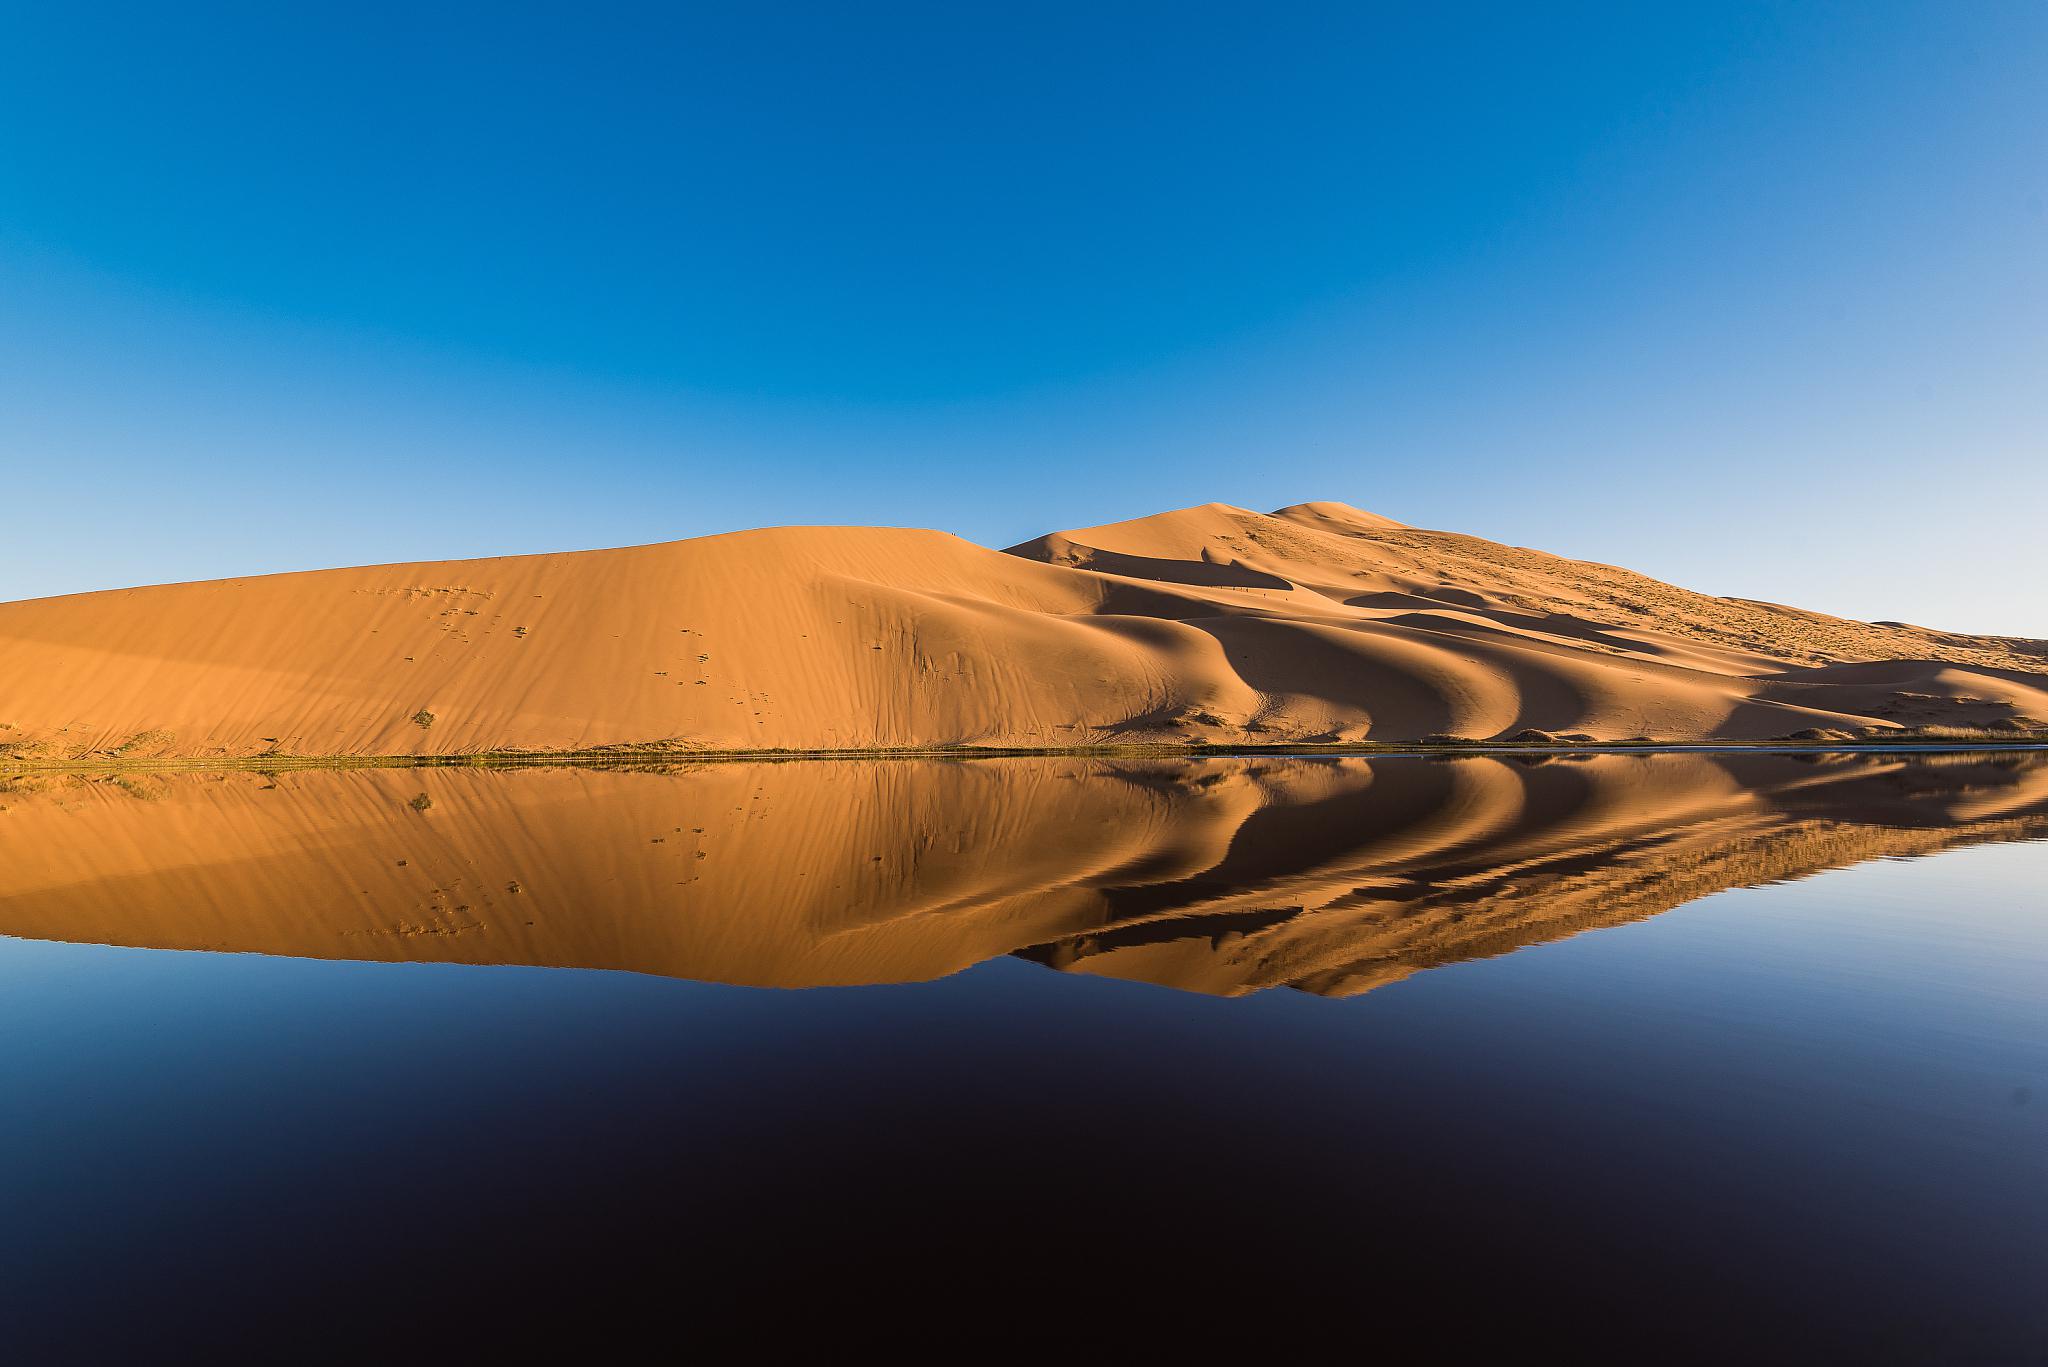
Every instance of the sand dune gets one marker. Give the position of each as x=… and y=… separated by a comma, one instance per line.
x=1219, y=875
x=1316, y=623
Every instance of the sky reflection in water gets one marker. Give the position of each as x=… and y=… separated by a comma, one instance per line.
x=1805, y=1116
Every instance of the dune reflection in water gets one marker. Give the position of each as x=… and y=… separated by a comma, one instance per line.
x=1218, y=875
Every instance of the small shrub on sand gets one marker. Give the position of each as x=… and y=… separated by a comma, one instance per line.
x=146, y=743
x=423, y=719
x=420, y=803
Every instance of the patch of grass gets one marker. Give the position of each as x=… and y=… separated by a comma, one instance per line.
x=671, y=754
x=144, y=741
x=2007, y=729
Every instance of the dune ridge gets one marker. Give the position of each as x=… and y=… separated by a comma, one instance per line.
x=1213, y=624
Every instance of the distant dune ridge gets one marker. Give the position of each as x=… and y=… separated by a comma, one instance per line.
x=1214, y=624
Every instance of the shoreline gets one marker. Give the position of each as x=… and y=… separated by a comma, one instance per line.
x=653, y=757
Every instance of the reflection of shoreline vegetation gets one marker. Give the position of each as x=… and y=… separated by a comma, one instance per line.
x=120, y=760
x=145, y=779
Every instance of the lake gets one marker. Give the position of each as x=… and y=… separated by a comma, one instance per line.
x=1670, y=1056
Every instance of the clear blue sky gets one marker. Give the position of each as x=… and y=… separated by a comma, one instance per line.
x=1752, y=297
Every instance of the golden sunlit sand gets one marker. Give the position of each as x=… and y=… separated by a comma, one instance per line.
x=1316, y=624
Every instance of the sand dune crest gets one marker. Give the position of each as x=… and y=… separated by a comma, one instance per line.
x=1210, y=624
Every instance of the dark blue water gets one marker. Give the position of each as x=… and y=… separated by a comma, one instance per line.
x=1805, y=1122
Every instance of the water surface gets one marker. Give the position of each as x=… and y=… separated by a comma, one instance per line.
x=1675, y=1056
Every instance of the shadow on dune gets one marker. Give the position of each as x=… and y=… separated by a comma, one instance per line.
x=1203, y=573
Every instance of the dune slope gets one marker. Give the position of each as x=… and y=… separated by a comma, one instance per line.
x=1316, y=623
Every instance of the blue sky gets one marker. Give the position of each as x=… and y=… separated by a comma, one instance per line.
x=1751, y=297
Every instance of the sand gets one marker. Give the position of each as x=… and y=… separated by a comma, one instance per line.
x=1214, y=874
x=1317, y=623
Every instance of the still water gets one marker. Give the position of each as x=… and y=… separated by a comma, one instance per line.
x=1671, y=1057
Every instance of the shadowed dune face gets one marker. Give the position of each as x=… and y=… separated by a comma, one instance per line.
x=1216, y=875
x=1213, y=624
